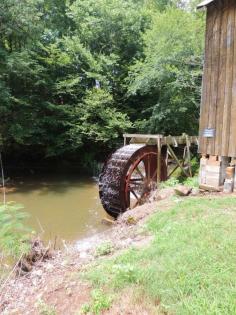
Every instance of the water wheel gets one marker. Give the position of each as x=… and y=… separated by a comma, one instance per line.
x=129, y=177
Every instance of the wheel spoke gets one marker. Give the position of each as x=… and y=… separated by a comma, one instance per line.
x=136, y=179
x=154, y=175
x=149, y=169
x=138, y=201
x=140, y=173
x=134, y=193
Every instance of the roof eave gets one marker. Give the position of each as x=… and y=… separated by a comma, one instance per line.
x=204, y=3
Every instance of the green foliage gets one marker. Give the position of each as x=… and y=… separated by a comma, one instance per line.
x=99, y=303
x=169, y=78
x=100, y=121
x=14, y=236
x=188, y=270
x=192, y=182
x=171, y=182
x=74, y=75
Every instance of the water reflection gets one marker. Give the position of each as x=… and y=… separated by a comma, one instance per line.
x=65, y=207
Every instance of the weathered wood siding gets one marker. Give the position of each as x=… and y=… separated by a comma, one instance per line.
x=218, y=105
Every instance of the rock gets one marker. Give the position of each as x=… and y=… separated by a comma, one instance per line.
x=182, y=190
x=195, y=192
x=164, y=193
x=84, y=255
x=37, y=273
x=49, y=267
x=14, y=311
x=65, y=263
x=69, y=291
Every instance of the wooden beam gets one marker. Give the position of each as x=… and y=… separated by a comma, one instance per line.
x=176, y=159
x=164, y=140
x=130, y=135
x=158, y=160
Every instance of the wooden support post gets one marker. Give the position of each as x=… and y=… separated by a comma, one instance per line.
x=168, y=141
x=189, y=156
x=125, y=140
x=158, y=160
x=172, y=172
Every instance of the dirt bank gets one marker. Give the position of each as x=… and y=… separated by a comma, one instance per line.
x=57, y=281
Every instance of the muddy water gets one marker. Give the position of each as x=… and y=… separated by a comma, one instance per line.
x=65, y=207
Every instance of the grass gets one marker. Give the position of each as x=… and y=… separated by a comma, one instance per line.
x=190, y=267
x=14, y=235
x=99, y=303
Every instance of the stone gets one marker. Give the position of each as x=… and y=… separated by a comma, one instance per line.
x=195, y=192
x=182, y=190
x=164, y=193
x=49, y=266
x=228, y=186
x=37, y=273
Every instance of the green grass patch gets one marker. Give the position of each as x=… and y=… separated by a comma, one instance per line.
x=14, y=235
x=190, y=267
x=192, y=182
x=99, y=302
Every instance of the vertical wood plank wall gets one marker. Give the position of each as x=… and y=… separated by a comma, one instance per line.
x=218, y=104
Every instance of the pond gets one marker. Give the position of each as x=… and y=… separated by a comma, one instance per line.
x=66, y=207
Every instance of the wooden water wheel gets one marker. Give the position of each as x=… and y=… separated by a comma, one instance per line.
x=129, y=177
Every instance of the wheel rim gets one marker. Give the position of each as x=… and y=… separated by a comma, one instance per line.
x=141, y=180
x=120, y=175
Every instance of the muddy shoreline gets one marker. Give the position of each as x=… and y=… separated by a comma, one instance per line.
x=52, y=277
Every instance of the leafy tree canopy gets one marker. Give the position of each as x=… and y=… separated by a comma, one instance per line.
x=76, y=74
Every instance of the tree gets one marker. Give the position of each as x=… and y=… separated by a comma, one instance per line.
x=168, y=80
x=74, y=75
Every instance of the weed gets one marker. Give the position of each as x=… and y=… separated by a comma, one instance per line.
x=104, y=249
x=192, y=182
x=171, y=182
x=99, y=303
x=45, y=309
x=125, y=273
